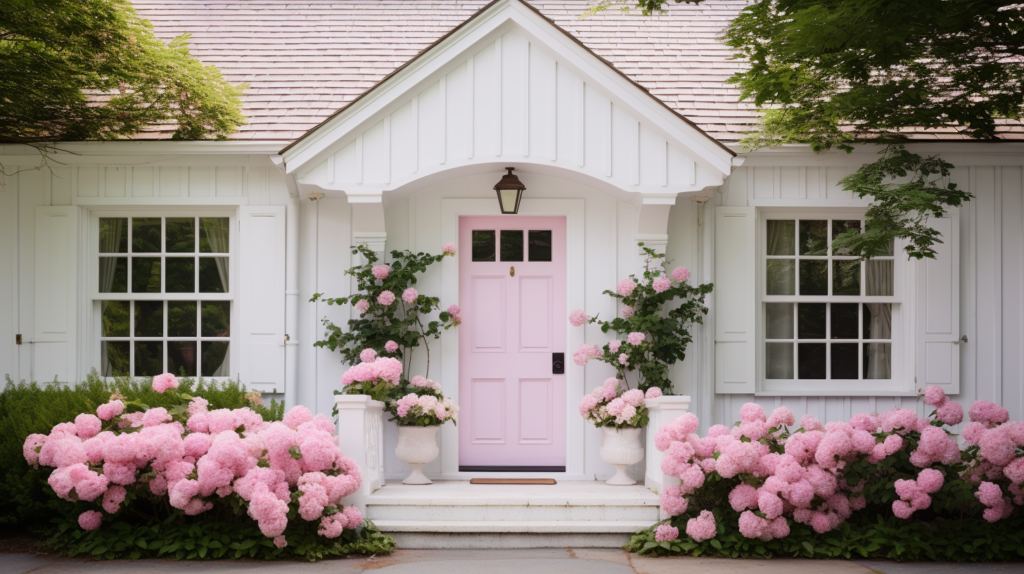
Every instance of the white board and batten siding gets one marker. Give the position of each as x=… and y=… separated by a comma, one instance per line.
x=971, y=290
x=45, y=255
x=514, y=101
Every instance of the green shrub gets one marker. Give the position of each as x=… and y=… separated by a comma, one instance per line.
x=26, y=501
x=864, y=535
x=208, y=536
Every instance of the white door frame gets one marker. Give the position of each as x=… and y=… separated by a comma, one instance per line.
x=573, y=210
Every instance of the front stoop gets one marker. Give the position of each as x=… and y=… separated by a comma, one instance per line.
x=456, y=514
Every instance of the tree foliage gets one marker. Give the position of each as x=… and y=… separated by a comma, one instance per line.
x=73, y=70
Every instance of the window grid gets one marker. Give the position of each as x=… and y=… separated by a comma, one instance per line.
x=196, y=296
x=828, y=300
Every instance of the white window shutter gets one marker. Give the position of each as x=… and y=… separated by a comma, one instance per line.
x=938, y=310
x=260, y=303
x=56, y=291
x=735, y=299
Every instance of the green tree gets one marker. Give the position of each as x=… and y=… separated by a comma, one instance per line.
x=73, y=70
x=830, y=73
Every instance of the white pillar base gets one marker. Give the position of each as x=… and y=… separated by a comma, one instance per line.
x=361, y=438
x=663, y=410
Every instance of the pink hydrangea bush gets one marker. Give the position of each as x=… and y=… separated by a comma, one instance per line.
x=765, y=476
x=428, y=408
x=197, y=459
x=656, y=311
x=394, y=318
x=615, y=405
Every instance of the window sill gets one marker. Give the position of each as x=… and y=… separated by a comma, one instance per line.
x=836, y=394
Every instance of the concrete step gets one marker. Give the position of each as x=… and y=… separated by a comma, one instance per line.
x=518, y=526
x=508, y=512
x=451, y=540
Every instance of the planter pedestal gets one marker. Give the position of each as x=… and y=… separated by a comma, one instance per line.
x=361, y=438
x=621, y=448
x=417, y=447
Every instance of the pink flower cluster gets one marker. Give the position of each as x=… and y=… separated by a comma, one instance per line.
x=612, y=404
x=362, y=305
x=213, y=455
x=425, y=383
x=163, y=382
x=578, y=318
x=798, y=476
x=456, y=314
x=681, y=274
x=661, y=284
x=412, y=406
x=410, y=295
x=372, y=369
x=626, y=287
x=448, y=248
x=386, y=298
x=381, y=271
x=585, y=352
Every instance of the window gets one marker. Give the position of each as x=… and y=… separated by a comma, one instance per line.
x=164, y=295
x=827, y=317
x=510, y=245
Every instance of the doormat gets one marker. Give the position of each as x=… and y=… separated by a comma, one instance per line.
x=513, y=481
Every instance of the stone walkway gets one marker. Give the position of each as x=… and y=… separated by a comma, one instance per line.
x=531, y=561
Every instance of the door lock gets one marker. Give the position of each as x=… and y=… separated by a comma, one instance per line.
x=557, y=363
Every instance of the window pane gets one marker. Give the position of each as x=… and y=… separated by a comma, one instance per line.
x=146, y=235
x=781, y=237
x=181, y=235
x=116, y=319
x=779, y=320
x=813, y=237
x=811, y=321
x=113, y=275
x=844, y=360
x=483, y=245
x=846, y=277
x=840, y=227
x=149, y=358
x=213, y=274
x=781, y=277
x=181, y=319
x=511, y=245
x=878, y=278
x=877, y=321
x=145, y=274
x=813, y=277
x=181, y=358
x=214, y=234
x=216, y=318
x=149, y=319
x=811, y=360
x=779, y=360
x=877, y=361
x=114, y=358
x=181, y=275
x=215, y=359
x=844, y=320
x=540, y=245
x=113, y=235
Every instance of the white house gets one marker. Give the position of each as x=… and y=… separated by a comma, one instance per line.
x=387, y=123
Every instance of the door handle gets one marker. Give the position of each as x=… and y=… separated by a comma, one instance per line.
x=557, y=363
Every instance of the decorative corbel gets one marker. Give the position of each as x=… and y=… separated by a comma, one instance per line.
x=652, y=224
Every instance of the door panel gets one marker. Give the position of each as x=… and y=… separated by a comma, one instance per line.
x=512, y=281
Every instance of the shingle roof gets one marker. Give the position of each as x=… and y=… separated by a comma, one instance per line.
x=303, y=60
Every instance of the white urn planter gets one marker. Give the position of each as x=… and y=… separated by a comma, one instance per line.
x=621, y=448
x=417, y=447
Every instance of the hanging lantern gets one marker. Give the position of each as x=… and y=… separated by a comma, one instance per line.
x=510, y=192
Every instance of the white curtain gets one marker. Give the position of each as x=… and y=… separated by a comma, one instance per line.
x=110, y=239
x=780, y=241
x=217, y=235
x=879, y=276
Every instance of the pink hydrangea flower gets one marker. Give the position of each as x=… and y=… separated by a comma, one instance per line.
x=87, y=426
x=988, y=414
x=585, y=352
x=934, y=396
x=90, y=520
x=781, y=416
x=386, y=298
x=666, y=533
x=578, y=318
x=163, y=382
x=702, y=527
x=681, y=274
x=362, y=306
x=661, y=284
x=110, y=410
x=653, y=393
x=626, y=287
x=391, y=346
x=627, y=311
x=750, y=412
x=280, y=542
x=950, y=413
x=810, y=423
x=623, y=359
x=368, y=355
x=381, y=271
x=635, y=338
x=410, y=295
x=454, y=309
x=448, y=248
x=614, y=346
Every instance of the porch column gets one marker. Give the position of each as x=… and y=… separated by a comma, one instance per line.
x=652, y=226
x=361, y=438
x=663, y=410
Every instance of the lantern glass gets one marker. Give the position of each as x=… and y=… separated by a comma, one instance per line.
x=509, y=199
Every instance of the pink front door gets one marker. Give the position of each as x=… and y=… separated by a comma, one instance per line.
x=512, y=292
